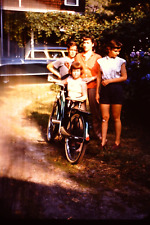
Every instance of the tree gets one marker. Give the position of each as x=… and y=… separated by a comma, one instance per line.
x=125, y=19
x=98, y=6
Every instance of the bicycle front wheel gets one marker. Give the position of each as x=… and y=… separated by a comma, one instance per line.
x=52, y=128
x=75, y=145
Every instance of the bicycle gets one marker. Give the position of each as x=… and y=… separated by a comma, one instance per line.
x=67, y=121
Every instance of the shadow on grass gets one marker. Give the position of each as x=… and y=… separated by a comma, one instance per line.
x=27, y=200
x=128, y=163
x=42, y=122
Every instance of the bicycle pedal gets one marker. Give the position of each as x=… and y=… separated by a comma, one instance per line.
x=56, y=121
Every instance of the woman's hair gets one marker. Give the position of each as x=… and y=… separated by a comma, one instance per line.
x=111, y=43
x=76, y=65
x=114, y=43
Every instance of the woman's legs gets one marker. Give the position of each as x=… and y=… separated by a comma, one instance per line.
x=105, y=108
x=116, y=113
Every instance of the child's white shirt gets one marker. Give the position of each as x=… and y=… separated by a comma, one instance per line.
x=74, y=87
x=110, y=67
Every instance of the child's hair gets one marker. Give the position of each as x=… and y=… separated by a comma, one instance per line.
x=76, y=65
x=72, y=43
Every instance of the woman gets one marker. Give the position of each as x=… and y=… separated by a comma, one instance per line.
x=111, y=75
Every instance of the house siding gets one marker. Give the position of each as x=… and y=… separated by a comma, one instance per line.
x=38, y=5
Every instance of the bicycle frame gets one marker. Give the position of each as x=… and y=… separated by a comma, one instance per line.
x=61, y=101
x=70, y=122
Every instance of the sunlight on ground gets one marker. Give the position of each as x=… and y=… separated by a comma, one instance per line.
x=21, y=156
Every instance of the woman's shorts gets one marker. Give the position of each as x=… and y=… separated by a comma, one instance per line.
x=111, y=94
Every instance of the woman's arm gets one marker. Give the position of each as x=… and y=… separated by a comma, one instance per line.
x=122, y=78
x=98, y=86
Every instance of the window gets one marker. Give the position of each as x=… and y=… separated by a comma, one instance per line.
x=39, y=55
x=55, y=54
x=72, y=2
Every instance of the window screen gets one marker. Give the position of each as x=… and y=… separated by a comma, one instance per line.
x=72, y=2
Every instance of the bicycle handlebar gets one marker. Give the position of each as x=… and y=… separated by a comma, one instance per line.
x=60, y=84
x=55, y=81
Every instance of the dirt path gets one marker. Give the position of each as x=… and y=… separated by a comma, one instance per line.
x=33, y=186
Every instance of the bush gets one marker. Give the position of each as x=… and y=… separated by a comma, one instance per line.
x=137, y=86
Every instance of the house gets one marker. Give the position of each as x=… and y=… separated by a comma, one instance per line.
x=44, y=5
x=8, y=6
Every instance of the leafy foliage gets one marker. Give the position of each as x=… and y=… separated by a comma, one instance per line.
x=66, y=26
x=98, y=6
x=127, y=20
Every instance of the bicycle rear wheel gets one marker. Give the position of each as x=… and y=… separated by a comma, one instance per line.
x=52, y=128
x=75, y=145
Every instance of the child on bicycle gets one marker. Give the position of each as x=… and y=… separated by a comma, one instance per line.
x=76, y=87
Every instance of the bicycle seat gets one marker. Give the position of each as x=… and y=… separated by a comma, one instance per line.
x=75, y=100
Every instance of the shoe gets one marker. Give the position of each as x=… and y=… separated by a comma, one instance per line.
x=104, y=147
x=99, y=136
x=95, y=136
x=115, y=147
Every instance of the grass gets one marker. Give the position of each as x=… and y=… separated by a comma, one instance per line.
x=126, y=166
x=41, y=106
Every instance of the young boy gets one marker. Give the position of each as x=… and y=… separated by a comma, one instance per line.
x=60, y=67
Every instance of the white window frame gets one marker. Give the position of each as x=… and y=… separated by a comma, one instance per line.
x=19, y=3
x=77, y=3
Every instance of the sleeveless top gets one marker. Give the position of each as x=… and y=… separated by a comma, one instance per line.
x=110, y=67
x=74, y=87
